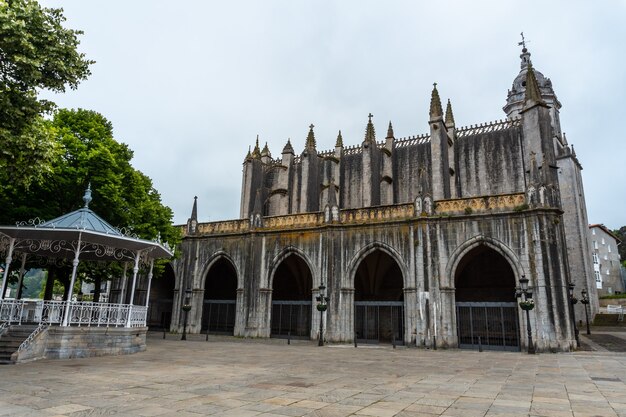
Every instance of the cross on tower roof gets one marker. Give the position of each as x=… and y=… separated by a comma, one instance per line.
x=523, y=42
x=312, y=126
x=370, y=116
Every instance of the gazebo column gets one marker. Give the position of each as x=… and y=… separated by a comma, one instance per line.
x=122, y=293
x=75, y=263
x=132, y=291
x=149, y=282
x=7, y=264
x=21, y=280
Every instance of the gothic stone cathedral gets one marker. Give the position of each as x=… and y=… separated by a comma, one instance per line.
x=419, y=240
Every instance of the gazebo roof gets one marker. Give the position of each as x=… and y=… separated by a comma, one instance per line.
x=100, y=241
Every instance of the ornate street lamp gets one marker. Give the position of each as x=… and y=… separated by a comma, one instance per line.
x=585, y=301
x=322, y=305
x=527, y=303
x=573, y=300
x=186, y=307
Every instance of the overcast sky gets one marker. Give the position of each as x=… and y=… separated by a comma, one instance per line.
x=189, y=84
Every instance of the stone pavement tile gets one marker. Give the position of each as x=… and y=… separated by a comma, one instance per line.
x=538, y=411
x=438, y=400
x=206, y=409
x=261, y=407
x=335, y=395
x=229, y=403
x=373, y=410
x=15, y=410
x=66, y=408
x=291, y=411
x=334, y=411
x=280, y=400
x=463, y=412
x=426, y=409
x=239, y=412
x=601, y=412
x=514, y=403
x=314, y=405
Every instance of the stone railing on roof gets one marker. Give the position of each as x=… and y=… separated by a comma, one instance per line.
x=502, y=202
x=293, y=221
x=227, y=226
x=377, y=214
x=488, y=127
x=412, y=141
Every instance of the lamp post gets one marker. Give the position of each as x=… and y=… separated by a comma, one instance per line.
x=572, y=301
x=186, y=307
x=585, y=301
x=527, y=303
x=322, y=305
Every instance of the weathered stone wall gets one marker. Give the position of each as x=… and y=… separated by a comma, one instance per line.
x=426, y=249
x=82, y=342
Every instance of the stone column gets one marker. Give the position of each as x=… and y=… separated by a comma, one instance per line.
x=410, y=315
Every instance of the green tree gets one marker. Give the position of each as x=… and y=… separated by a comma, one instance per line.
x=122, y=195
x=36, y=53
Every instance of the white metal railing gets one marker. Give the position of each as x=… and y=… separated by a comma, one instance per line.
x=11, y=311
x=32, y=336
x=81, y=313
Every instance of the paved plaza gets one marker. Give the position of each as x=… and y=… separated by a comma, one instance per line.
x=236, y=377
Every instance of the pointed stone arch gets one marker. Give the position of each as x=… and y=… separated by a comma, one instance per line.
x=214, y=258
x=284, y=254
x=220, y=282
x=291, y=280
x=475, y=242
x=367, y=250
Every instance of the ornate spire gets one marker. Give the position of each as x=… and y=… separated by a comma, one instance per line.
x=194, y=210
x=266, y=151
x=435, y=103
x=256, y=153
x=288, y=148
x=310, y=139
x=248, y=155
x=532, y=95
x=525, y=56
x=390, y=131
x=449, y=116
x=339, y=143
x=87, y=197
x=370, y=133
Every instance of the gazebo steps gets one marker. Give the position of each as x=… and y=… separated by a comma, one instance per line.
x=11, y=340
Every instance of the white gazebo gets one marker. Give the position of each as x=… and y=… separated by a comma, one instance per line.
x=77, y=236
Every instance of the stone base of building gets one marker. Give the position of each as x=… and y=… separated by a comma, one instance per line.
x=82, y=342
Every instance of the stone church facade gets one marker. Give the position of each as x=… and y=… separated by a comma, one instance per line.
x=419, y=240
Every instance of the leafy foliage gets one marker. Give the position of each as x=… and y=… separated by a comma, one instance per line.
x=36, y=53
x=88, y=153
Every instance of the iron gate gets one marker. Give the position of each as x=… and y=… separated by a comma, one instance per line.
x=218, y=316
x=291, y=318
x=379, y=321
x=495, y=323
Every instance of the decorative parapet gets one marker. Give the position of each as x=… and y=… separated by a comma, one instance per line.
x=377, y=214
x=228, y=226
x=502, y=202
x=293, y=221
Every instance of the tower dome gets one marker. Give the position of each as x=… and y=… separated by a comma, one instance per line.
x=515, y=96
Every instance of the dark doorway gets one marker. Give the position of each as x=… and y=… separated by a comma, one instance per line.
x=161, y=298
x=379, y=300
x=220, y=298
x=486, y=309
x=291, y=299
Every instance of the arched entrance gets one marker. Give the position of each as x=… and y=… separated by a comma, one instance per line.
x=291, y=299
x=220, y=298
x=486, y=308
x=379, y=300
x=161, y=298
